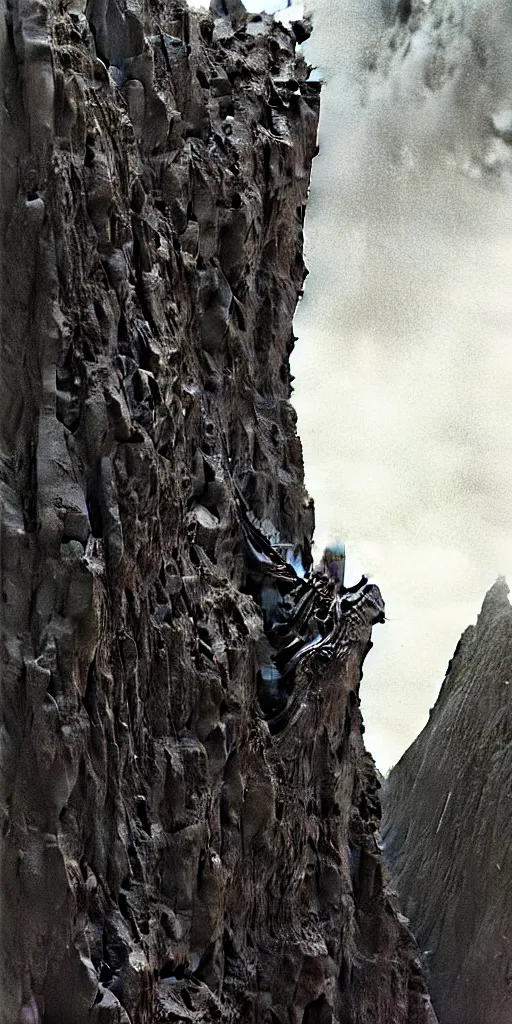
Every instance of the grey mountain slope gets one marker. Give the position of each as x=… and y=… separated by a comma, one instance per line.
x=448, y=826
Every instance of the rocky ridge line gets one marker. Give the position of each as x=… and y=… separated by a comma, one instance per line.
x=447, y=826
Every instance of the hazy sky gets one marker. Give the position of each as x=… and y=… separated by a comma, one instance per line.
x=404, y=361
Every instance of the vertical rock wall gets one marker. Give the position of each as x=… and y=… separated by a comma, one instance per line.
x=448, y=829
x=164, y=858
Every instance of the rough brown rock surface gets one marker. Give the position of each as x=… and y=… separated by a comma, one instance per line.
x=164, y=858
x=447, y=826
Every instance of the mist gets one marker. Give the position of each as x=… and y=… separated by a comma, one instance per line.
x=403, y=363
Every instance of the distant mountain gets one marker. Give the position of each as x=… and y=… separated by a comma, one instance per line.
x=447, y=826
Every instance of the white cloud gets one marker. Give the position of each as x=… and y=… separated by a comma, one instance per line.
x=278, y=7
x=404, y=363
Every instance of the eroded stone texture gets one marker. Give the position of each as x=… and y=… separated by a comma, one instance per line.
x=447, y=826
x=164, y=858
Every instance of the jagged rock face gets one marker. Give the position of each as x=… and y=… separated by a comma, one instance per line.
x=164, y=858
x=447, y=826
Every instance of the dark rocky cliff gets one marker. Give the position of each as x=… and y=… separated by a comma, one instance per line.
x=447, y=826
x=165, y=856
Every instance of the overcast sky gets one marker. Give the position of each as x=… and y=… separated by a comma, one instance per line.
x=404, y=361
